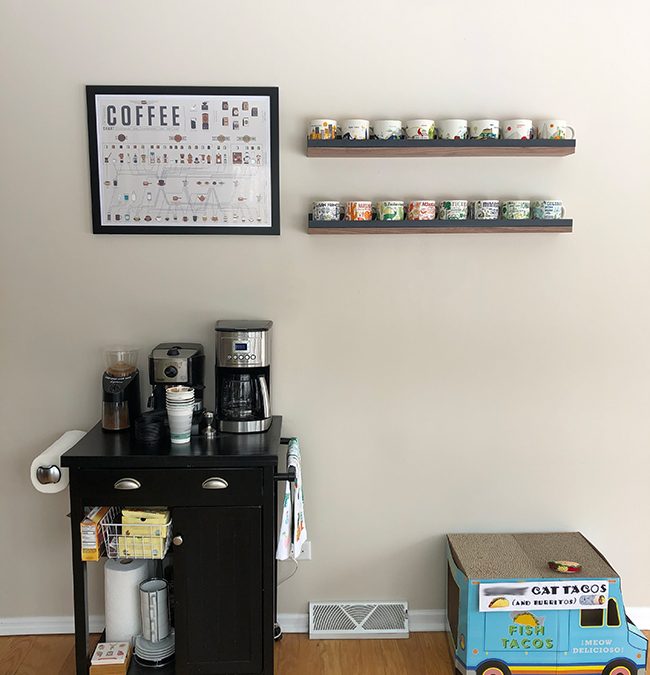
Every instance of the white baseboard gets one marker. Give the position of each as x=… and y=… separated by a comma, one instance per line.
x=430, y=620
x=45, y=625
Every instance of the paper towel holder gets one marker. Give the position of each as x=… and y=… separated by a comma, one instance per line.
x=48, y=474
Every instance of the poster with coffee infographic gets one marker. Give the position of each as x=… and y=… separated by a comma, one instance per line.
x=181, y=160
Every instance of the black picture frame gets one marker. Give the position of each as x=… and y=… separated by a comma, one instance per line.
x=145, y=92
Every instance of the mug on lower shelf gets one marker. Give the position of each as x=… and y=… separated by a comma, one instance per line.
x=358, y=210
x=453, y=209
x=515, y=209
x=484, y=209
x=547, y=209
x=326, y=210
x=390, y=210
x=421, y=209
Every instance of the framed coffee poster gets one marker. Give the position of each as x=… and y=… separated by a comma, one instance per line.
x=184, y=160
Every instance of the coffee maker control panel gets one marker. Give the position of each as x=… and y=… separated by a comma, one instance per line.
x=243, y=350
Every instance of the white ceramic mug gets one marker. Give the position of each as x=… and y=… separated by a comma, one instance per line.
x=322, y=130
x=482, y=129
x=521, y=129
x=421, y=209
x=387, y=130
x=390, y=210
x=452, y=209
x=555, y=130
x=355, y=130
x=358, y=210
x=421, y=130
x=452, y=130
x=547, y=209
x=515, y=209
x=484, y=209
x=326, y=210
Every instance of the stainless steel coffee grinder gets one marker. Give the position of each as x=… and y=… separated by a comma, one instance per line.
x=242, y=376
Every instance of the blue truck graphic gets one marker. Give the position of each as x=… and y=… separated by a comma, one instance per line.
x=565, y=624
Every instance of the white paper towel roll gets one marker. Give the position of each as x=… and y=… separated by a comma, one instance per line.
x=122, y=579
x=52, y=457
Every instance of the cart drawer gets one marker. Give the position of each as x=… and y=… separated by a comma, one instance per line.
x=168, y=487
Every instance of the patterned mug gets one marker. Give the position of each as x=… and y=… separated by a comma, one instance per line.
x=355, y=130
x=452, y=130
x=547, y=209
x=515, y=209
x=421, y=209
x=390, y=210
x=326, y=210
x=521, y=130
x=322, y=130
x=421, y=130
x=482, y=129
x=387, y=130
x=554, y=130
x=452, y=209
x=484, y=209
x=358, y=210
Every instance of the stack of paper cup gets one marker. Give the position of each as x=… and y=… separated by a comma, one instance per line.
x=180, y=407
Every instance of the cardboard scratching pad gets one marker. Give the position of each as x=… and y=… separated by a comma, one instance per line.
x=523, y=556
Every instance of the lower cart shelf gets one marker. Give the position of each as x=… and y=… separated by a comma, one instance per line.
x=437, y=226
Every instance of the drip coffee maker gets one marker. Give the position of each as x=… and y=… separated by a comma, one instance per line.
x=242, y=376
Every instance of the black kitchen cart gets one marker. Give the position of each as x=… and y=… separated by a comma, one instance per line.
x=223, y=499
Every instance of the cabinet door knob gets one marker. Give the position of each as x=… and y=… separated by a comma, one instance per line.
x=214, y=484
x=127, y=484
x=177, y=540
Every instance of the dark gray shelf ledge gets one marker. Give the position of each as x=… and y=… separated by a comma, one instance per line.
x=437, y=226
x=441, y=148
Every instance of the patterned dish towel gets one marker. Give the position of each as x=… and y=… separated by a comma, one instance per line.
x=293, y=530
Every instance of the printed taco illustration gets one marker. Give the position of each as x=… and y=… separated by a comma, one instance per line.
x=525, y=619
x=499, y=602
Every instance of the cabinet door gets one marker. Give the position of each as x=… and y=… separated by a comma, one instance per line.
x=218, y=590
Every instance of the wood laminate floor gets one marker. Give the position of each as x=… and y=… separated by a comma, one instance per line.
x=421, y=654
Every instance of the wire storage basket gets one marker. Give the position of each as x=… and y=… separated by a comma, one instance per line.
x=135, y=540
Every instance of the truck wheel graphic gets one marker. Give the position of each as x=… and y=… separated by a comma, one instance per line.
x=620, y=667
x=500, y=668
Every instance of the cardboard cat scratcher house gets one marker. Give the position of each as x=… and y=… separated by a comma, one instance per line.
x=508, y=613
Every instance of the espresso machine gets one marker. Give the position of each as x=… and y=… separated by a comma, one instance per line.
x=176, y=363
x=242, y=376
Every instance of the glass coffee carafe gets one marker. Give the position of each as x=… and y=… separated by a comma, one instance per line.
x=243, y=397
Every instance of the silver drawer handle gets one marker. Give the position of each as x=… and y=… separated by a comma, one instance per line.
x=127, y=484
x=214, y=484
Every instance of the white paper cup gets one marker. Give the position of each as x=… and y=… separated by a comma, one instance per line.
x=179, y=394
x=180, y=424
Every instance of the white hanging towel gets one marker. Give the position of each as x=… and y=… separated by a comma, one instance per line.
x=293, y=530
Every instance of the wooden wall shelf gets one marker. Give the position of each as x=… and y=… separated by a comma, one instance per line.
x=440, y=148
x=437, y=226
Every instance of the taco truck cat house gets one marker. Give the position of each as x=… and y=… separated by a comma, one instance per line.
x=508, y=613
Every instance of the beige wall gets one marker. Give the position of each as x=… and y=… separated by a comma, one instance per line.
x=437, y=383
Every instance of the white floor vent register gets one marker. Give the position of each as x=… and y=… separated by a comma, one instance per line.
x=339, y=620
